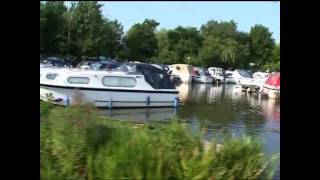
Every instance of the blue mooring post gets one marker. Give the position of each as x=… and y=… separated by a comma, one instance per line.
x=110, y=103
x=67, y=101
x=176, y=103
x=148, y=100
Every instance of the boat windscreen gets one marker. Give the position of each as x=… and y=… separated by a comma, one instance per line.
x=245, y=73
x=201, y=72
x=157, y=78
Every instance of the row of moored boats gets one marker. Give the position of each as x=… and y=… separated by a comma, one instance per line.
x=265, y=83
x=109, y=83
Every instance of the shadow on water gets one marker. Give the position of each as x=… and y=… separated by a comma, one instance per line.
x=223, y=109
x=141, y=114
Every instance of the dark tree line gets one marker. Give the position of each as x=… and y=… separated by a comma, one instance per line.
x=82, y=30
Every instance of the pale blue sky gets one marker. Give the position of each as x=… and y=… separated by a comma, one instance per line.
x=196, y=13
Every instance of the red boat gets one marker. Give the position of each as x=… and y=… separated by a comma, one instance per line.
x=271, y=87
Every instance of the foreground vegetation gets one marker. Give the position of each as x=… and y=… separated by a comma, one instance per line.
x=81, y=30
x=78, y=144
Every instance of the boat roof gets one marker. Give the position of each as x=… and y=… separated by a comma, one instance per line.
x=273, y=79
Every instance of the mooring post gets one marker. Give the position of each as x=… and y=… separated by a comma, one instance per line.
x=67, y=101
x=110, y=103
x=148, y=100
x=176, y=102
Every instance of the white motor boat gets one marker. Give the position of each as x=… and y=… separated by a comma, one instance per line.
x=130, y=85
x=244, y=78
x=229, y=77
x=200, y=75
x=218, y=74
x=260, y=78
x=271, y=87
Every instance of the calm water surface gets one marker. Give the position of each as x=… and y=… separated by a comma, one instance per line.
x=224, y=109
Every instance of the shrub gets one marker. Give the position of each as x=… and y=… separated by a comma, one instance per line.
x=78, y=144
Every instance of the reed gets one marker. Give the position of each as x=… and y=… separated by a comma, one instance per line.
x=75, y=143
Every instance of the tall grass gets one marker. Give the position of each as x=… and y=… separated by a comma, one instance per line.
x=75, y=144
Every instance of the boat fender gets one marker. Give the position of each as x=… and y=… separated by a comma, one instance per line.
x=148, y=100
x=110, y=103
x=176, y=102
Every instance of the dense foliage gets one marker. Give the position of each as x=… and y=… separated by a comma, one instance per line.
x=82, y=30
x=75, y=143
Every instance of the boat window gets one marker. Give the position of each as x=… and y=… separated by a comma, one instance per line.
x=51, y=76
x=201, y=72
x=207, y=73
x=114, y=81
x=245, y=73
x=178, y=68
x=96, y=66
x=78, y=80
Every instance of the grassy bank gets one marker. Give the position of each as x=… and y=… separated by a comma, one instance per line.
x=77, y=144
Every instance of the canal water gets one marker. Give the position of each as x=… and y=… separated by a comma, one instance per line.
x=223, y=109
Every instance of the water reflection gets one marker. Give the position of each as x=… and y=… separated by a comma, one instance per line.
x=184, y=91
x=222, y=109
x=141, y=114
x=227, y=110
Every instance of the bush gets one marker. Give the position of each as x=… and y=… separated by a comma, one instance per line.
x=78, y=144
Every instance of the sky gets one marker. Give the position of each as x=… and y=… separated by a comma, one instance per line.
x=195, y=13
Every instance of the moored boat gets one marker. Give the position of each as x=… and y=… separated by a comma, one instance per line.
x=130, y=85
x=271, y=87
x=244, y=78
x=201, y=75
x=260, y=78
x=218, y=74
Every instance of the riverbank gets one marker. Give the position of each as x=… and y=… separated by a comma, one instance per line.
x=76, y=143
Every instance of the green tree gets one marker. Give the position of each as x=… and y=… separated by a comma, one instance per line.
x=141, y=41
x=210, y=51
x=111, y=41
x=51, y=25
x=165, y=56
x=220, y=47
x=229, y=51
x=223, y=29
x=276, y=53
x=86, y=33
x=178, y=44
x=261, y=44
x=243, y=40
x=274, y=63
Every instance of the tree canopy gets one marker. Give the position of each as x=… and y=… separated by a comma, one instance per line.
x=82, y=30
x=141, y=41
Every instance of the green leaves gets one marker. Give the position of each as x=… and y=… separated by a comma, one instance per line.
x=141, y=41
x=81, y=30
x=261, y=44
x=75, y=143
x=176, y=45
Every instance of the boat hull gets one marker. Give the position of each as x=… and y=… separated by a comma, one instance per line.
x=185, y=79
x=109, y=97
x=202, y=79
x=272, y=93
